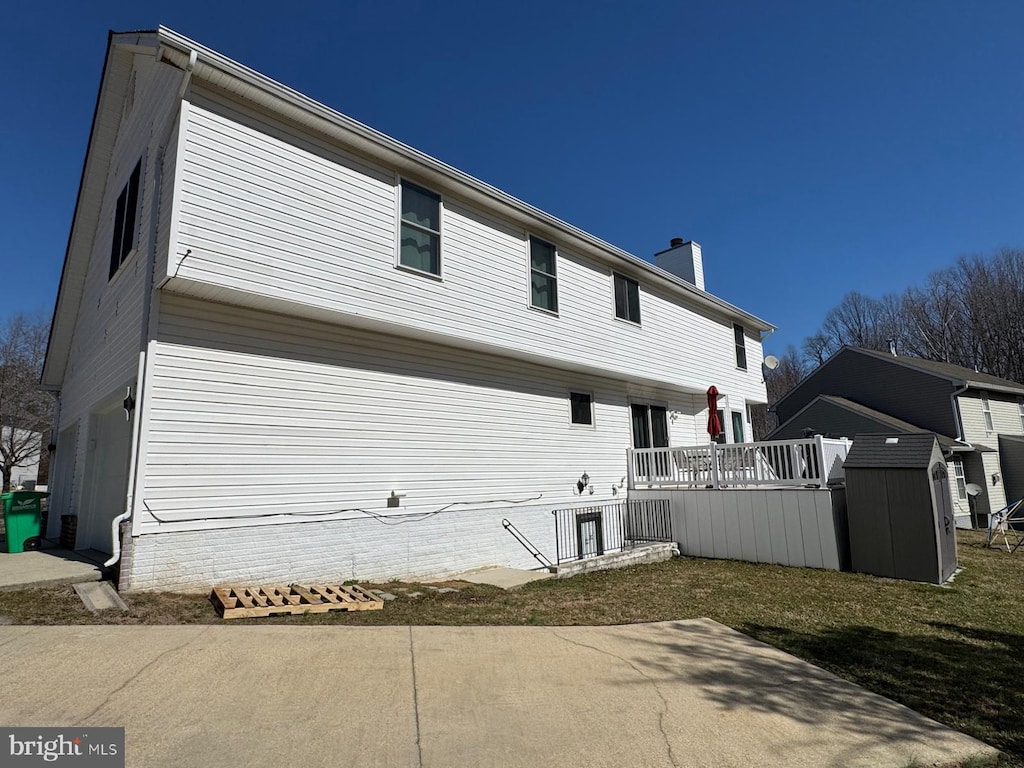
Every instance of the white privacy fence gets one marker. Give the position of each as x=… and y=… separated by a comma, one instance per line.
x=772, y=463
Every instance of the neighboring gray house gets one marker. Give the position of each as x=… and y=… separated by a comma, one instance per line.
x=978, y=418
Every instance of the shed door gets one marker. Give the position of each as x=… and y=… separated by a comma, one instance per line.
x=944, y=520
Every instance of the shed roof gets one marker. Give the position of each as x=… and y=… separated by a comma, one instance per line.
x=884, y=451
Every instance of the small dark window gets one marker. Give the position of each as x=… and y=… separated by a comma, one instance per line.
x=421, y=229
x=123, y=241
x=543, y=282
x=582, y=407
x=627, y=299
x=741, y=346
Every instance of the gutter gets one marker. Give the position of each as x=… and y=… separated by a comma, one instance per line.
x=957, y=416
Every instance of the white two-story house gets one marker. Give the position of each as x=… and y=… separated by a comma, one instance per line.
x=290, y=348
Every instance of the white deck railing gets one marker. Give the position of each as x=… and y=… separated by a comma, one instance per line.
x=806, y=462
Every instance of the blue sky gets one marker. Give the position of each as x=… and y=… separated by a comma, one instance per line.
x=811, y=148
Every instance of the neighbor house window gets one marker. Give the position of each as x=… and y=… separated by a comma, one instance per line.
x=1020, y=410
x=627, y=299
x=123, y=242
x=420, y=246
x=581, y=407
x=543, y=282
x=986, y=408
x=741, y=346
x=961, y=483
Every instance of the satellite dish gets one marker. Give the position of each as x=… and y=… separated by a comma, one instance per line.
x=973, y=489
x=771, y=362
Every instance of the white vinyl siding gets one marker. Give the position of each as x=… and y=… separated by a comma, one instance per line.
x=1002, y=416
x=260, y=418
x=104, y=353
x=292, y=225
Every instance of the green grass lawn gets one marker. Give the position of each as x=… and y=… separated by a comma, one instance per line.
x=955, y=654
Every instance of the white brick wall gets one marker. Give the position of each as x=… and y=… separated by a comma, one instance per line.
x=336, y=551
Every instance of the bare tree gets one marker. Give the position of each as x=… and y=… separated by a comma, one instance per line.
x=970, y=314
x=25, y=410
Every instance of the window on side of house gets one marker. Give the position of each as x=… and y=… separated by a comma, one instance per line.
x=738, y=432
x=581, y=408
x=627, y=299
x=420, y=239
x=986, y=408
x=961, y=483
x=721, y=438
x=741, y=346
x=543, y=276
x=650, y=426
x=1020, y=410
x=123, y=242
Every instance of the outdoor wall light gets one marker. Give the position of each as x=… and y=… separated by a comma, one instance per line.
x=995, y=479
x=582, y=483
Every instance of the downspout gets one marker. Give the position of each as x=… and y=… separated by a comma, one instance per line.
x=140, y=387
x=958, y=417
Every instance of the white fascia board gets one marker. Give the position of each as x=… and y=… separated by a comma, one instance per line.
x=227, y=74
x=84, y=220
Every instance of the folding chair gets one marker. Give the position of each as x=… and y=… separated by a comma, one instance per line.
x=1007, y=523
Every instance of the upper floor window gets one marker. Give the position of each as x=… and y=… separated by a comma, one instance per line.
x=543, y=280
x=420, y=246
x=741, y=346
x=986, y=408
x=123, y=242
x=627, y=299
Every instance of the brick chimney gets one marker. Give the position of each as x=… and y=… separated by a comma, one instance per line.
x=683, y=260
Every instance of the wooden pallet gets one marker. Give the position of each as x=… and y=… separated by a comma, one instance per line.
x=257, y=602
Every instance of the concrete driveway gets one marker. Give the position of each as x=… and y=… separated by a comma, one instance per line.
x=688, y=693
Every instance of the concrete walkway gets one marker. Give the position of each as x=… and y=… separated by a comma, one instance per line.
x=689, y=693
x=48, y=567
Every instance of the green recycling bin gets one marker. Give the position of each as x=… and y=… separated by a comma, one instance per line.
x=23, y=519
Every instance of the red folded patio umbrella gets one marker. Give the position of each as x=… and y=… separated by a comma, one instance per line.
x=714, y=423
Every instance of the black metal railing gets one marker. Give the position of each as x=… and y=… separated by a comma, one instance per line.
x=582, y=532
x=519, y=536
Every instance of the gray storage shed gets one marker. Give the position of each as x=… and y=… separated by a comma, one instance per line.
x=899, y=508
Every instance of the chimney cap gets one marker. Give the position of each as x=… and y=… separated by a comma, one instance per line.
x=675, y=242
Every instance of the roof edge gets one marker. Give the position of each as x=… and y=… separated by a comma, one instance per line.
x=50, y=378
